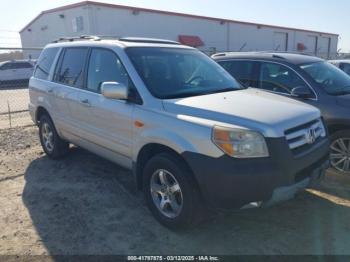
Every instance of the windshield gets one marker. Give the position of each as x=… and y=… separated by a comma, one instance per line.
x=174, y=73
x=333, y=80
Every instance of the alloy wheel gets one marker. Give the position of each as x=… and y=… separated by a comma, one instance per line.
x=166, y=193
x=47, y=136
x=340, y=154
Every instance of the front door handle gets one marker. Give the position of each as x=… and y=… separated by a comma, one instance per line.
x=85, y=102
x=50, y=90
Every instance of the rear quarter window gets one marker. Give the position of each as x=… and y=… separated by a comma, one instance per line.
x=45, y=62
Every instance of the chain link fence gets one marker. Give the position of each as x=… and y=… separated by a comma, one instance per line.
x=16, y=67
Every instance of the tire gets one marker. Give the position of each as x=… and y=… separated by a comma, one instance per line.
x=189, y=194
x=56, y=147
x=340, y=151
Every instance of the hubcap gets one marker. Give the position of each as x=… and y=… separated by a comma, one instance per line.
x=340, y=154
x=47, y=136
x=166, y=193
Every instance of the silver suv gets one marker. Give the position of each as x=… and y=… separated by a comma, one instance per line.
x=191, y=134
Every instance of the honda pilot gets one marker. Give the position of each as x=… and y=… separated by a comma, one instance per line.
x=191, y=134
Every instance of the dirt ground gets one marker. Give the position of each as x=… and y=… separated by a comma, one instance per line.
x=86, y=205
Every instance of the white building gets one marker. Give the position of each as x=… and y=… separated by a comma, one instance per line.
x=207, y=33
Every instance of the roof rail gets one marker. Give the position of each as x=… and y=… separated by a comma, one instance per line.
x=219, y=54
x=122, y=39
x=77, y=38
x=148, y=40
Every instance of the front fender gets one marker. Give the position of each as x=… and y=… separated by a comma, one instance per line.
x=163, y=137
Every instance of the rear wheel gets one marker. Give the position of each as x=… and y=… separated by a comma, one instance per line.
x=340, y=151
x=170, y=191
x=51, y=143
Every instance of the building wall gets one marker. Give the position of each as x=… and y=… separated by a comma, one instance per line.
x=50, y=27
x=217, y=35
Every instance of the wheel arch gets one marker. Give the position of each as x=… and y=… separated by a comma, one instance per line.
x=150, y=150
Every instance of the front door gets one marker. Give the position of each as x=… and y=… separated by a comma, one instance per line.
x=106, y=122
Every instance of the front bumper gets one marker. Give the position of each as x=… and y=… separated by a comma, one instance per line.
x=288, y=192
x=228, y=182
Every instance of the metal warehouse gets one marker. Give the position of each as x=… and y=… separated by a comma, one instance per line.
x=206, y=33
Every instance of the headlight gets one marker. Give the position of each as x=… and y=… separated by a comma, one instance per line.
x=240, y=143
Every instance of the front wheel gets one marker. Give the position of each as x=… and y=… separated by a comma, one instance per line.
x=170, y=191
x=340, y=151
x=51, y=143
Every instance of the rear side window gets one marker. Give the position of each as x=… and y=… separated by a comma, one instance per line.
x=71, y=70
x=244, y=71
x=345, y=68
x=104, y=66
x=45, y=62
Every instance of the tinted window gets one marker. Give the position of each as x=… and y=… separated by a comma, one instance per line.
x=345, y=67
x=104, y=66
x=45, y=63
x=6, y=66
x=278, y=78
x=23, y=65
x=71, y=71
x=242, y=71
x=333, y=80
x=174, y=73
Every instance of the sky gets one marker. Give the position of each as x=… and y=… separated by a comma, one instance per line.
x=319, y=15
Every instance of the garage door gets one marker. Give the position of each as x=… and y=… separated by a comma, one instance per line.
x=280, y=41
x=311, y=44
x=324, y=46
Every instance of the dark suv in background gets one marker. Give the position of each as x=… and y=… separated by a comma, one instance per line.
x=305, y=78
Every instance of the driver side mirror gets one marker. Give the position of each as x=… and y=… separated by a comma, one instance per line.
x=302, y=92
x=115, y=90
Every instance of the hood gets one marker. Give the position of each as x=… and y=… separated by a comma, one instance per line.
x=344, y=101
x=250, y=108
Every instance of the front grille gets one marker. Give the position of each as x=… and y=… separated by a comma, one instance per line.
x=306, y=135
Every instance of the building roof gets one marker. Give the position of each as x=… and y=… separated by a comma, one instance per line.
x=296, y=59
x=62, y=8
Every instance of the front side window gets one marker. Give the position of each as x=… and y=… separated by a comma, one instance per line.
x=71, y=70
x=243, y=71
x=174, y=73
x=45, y=62
x=104, y=66
x=333, y=80
x=278, y=78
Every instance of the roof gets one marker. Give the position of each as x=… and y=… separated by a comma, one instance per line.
x=62, y=8
x=121, y=43
x=287, y=57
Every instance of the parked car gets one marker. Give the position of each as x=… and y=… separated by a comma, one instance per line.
x=342, y=64
x=305, y=78
x=191, y=134
x=16, y=72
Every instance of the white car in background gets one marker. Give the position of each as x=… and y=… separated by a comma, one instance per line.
x=16, y=72
x=342, y=64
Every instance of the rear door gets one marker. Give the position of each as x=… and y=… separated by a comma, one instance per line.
x=69, y=79
x=105, y=122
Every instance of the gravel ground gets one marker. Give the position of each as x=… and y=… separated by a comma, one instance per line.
x=86, y=205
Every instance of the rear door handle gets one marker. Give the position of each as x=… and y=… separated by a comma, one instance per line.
x=50, y=90
x=85, y=102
